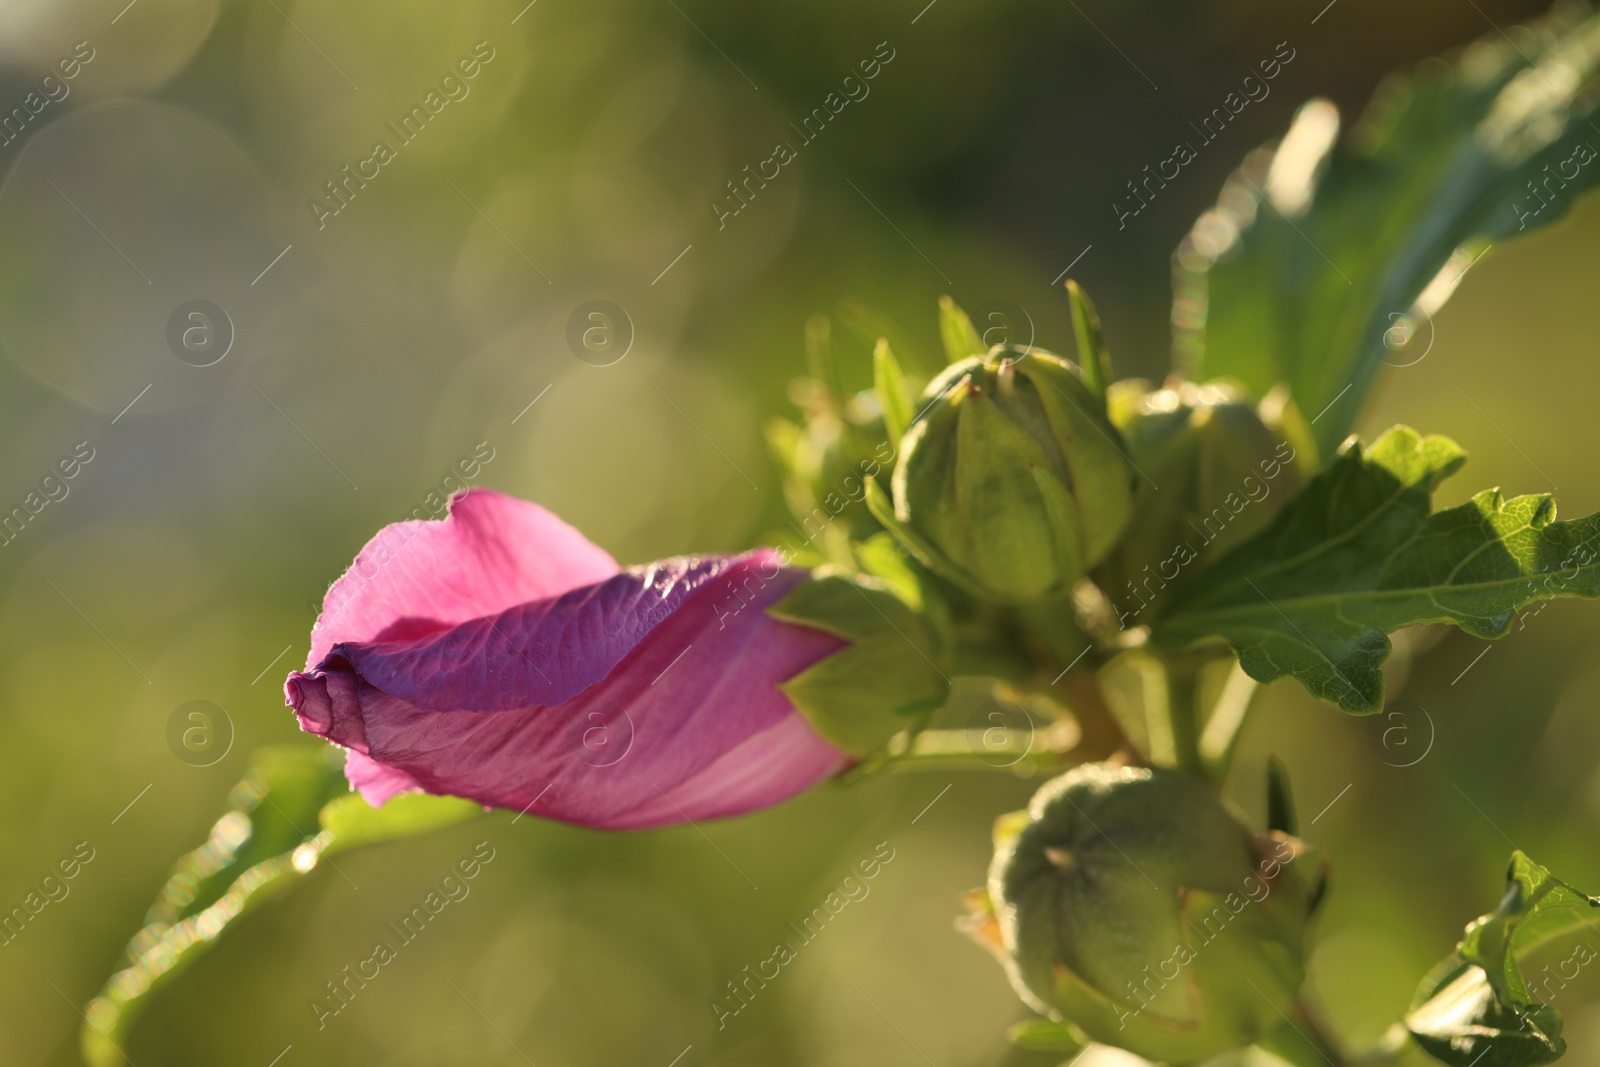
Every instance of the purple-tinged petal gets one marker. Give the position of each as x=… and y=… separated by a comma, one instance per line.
x=492, y=552
x=545, y=652
x=313, y=706
x=688, y=724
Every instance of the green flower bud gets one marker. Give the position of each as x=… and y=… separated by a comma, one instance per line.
x=1135, y=905
x=1224, y=465
x=1011, y=480
x=827, y=461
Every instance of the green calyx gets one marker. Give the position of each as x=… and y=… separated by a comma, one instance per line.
x=1136, y=906
x=1011, y=482
x=890, y=676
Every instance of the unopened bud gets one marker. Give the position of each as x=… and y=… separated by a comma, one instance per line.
x=1011, y=478
x=1135, y=905
x=1224, y=465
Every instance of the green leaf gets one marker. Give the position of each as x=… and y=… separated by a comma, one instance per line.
x=1092, y=354
x=955, y=330
x=893, y=396
x=1321, y=257
x=290, y=812
x=1280, y=797
x=888, y=680
x=1359, y=553
x=1046, y=1035
x=1477, y=1006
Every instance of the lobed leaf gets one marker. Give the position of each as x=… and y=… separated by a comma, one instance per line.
x=1326, y=256
x=1477, y=1007
x=1359, y=553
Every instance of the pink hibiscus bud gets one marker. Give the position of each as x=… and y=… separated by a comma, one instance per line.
x=500, y=656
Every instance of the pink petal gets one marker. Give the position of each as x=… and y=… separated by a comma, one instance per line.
x=374, y=781
x=688, y=724
x=539, y=653
x=492, y=552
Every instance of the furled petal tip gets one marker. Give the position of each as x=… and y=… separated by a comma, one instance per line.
x=498, y=655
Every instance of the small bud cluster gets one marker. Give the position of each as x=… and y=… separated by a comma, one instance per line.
x=1019, y=501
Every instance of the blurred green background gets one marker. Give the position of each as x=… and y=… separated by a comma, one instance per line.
x=425, y=316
